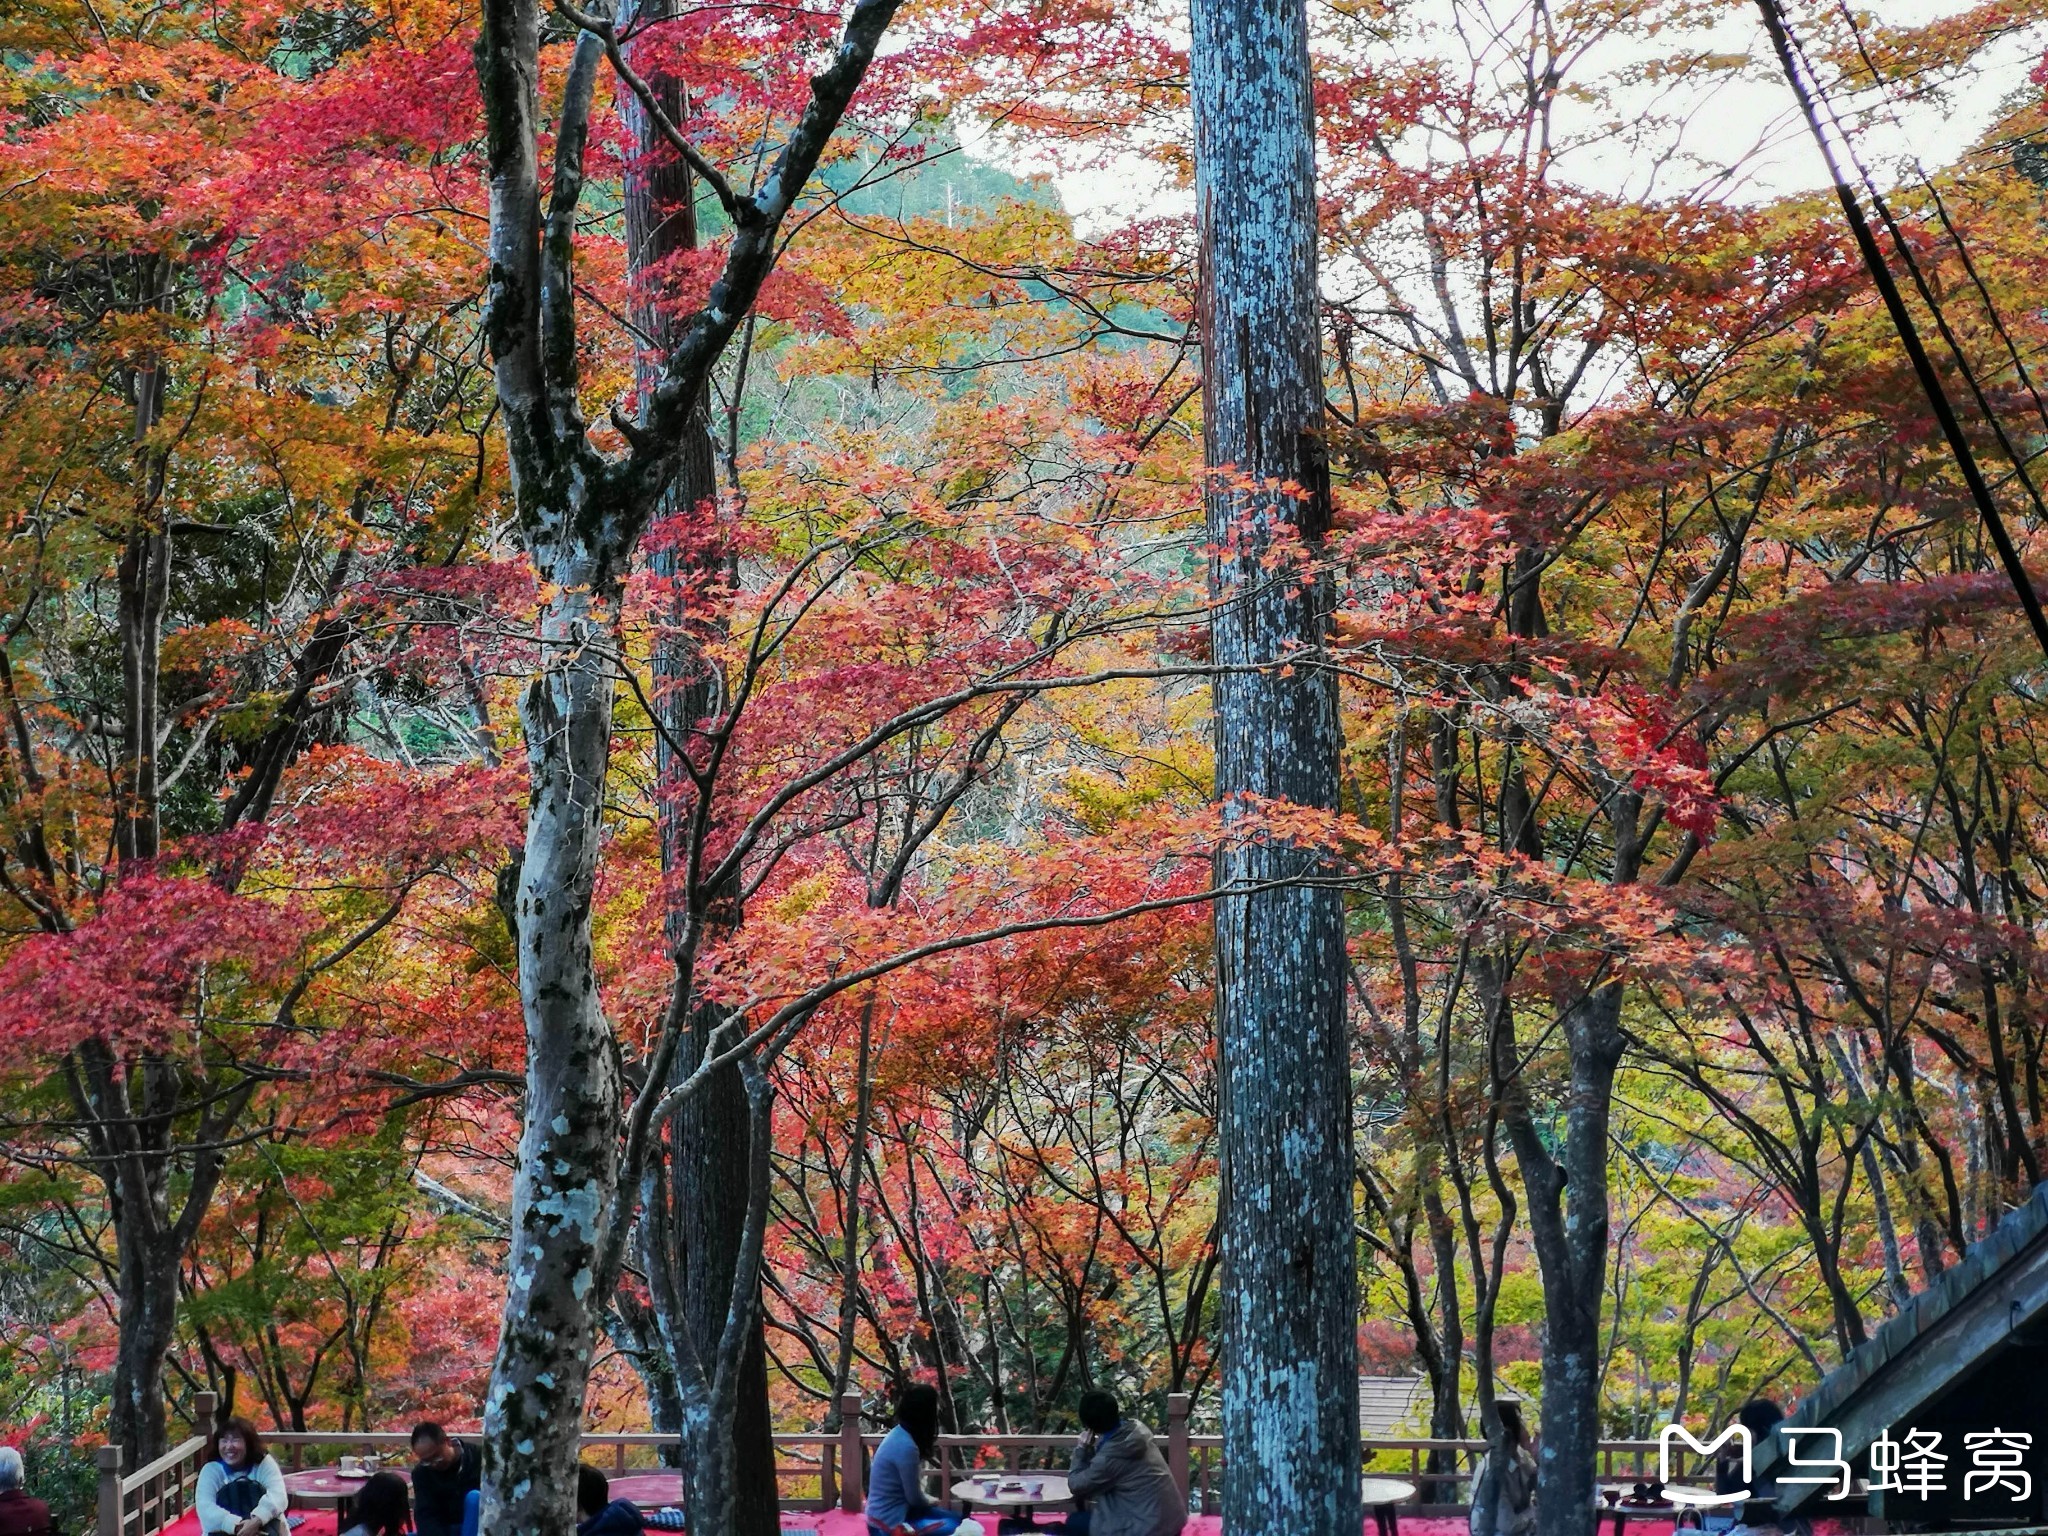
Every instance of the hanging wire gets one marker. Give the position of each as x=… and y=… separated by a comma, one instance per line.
x=1955, y=236
x=1912, y=262
x=1807, y=93
x=1956, y=353
x=2019, y=460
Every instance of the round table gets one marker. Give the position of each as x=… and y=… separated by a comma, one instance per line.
x=1663, y=1509
x=1052, y=1489
x=327, y=1488
x=660, y=1488
x=1380, y=1495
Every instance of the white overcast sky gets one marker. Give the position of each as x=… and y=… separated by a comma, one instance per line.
x=1745, y=125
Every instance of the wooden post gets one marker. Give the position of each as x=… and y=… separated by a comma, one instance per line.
x=205, y=1405
x=1177, y=1404
x=111, y=1519
x=852, y=1469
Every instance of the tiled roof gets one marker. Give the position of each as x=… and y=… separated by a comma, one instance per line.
x=1392, y=1407
x=2022, y=1228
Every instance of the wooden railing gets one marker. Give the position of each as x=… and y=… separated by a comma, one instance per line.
x=828, y=1471
x=1441, y=1470
x=144, y=1501
x=806, y=1467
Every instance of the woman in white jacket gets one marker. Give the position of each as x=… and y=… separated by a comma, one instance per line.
x=241, y=1492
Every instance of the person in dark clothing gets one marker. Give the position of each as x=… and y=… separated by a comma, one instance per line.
x=1120, y=1481
x=445, y=1470
x=597, y=1512
x=1760, y=1416
x=20, y=1515
x=382, y=1507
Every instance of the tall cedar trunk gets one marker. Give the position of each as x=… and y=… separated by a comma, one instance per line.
x=709, y=1138
x=712, y=1145
x=566, y=1185
x=1290, y=1315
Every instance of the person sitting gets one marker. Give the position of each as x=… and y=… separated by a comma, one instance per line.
x=1120, y=1481
x=446, y=1469
x=381, y=1507
x=20, y=1515
x=241, y=1491
x=1511, y=1509
x=597, y=1512
x=896, y=1496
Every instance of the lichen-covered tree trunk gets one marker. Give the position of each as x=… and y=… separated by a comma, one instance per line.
x=566, y=1184
x=581, y=514
x=1290, y=1297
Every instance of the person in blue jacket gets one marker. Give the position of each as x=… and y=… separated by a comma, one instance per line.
x=598, y=1513
x=896, y=1496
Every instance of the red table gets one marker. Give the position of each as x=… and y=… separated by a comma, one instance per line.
x=650, y=1490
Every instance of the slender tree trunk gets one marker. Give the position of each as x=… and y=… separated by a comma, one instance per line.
x=637, y=1333
x=134, y=1143
x=1447, y=1412
x=1290, y=1309
x=128, y=1110
x=143, y=578
x=849, y=1255
x=1568, y=1222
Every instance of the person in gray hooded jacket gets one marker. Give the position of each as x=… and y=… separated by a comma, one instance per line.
x=1119, y=1479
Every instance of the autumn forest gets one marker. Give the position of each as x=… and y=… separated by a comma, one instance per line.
x=706, y=706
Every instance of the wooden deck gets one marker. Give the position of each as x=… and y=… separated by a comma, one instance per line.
x=822, y=1474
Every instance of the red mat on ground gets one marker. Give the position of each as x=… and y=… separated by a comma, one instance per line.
x=838, y=1522
x=319, y=1522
